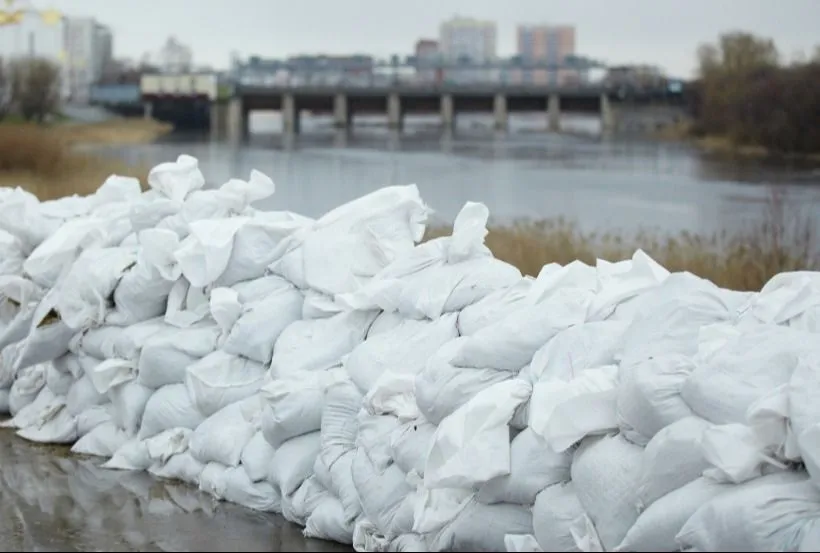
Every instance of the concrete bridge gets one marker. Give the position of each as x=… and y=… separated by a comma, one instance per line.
x=202, y=101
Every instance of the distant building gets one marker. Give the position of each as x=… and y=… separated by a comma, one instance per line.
x=468, y=41
x=427, y=51
x=103, y=51
x=88, y=51
x=175, y=57
x=551, y=44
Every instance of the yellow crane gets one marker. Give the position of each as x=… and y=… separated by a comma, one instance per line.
x=13, y=13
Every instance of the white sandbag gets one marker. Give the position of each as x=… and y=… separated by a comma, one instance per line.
x=26, y=387
x=169, y=407
x=92, y=417
x=385, y=322
x=254, y=334
x=409, y=444
x=177, y=179
x=45, y=402
x=319, y=344
x=555, y=510
x=319, y=306
x=328, y=522
x=671, y=315
x=222, y=436
x=480, y=527
x=57, y=381
x=616, y=285
x=472, y=445
x=187, y=304
x=166, y=356
x=353, y=242
x=142, y=292
x=441, y=388
x=12, y=254
x=374, y=436
x=772, y=513
x=606, y=472
x=56, y=426
x=259, y=496
x=785, y=298
x=341, y=483
x=723, y=387
x=293, y=462
x=294, y=404
x=298, y=507
x=112, y=372
x=408, y=542
x=96, y=342
x=533, y=467
x=511, y=342
x=83, y=395
x=255, y=289
x=656, y=528
x=132, y=456
x=367, y=537
x=128, y=403
x=588, y=414
x=4, y=402
x=809, y=443
x=548, y=395
x=649, y=395
x=102, y=441
x=803, y=390
x=494, y=307
x=404, y=350
x=521, y=543
x=48, y=337
x=578, y=348
x=257, y=456
x=85, y=291
x=75, y=364
x=182, y=466
x=382, y=494
x=220, y=379
x=734, y=454
x=672, y=459
x=393, y=394
x=340, y=425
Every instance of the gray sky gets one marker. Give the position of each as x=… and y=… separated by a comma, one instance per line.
x=664, y=32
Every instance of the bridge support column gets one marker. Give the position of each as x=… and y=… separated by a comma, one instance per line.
x=554, y=113
x=219, y=119
x=448, y=112
x=148, y=110
x=608, y=122
x=500, y=111
x=290, y=114
x=341, y=113
x=236, y=119
x=394, y=115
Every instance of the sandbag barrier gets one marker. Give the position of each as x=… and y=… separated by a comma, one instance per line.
x=407, y=396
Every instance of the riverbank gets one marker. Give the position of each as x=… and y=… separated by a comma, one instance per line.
x=45, y=160
x=723, y=145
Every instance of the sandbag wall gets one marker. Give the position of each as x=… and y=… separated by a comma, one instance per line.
x=403, y=396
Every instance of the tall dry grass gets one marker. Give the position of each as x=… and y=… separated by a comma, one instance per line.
x=44, y=160
x=783, y=240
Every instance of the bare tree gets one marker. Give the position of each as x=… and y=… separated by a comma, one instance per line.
x=35, y=88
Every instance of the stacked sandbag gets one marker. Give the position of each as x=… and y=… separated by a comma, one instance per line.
x=403, y=396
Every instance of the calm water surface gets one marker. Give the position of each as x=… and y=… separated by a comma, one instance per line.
x=601, y=183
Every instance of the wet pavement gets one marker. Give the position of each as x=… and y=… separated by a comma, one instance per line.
x=52, y=500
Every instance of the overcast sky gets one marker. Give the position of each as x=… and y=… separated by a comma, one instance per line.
x=663, y=32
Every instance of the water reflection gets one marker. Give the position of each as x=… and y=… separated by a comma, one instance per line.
x=53, y=502
x=603, y=183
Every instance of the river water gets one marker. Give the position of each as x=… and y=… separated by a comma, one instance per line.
x=604, y=184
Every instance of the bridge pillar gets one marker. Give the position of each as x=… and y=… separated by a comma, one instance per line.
x=554, y=113
x=148, y=110
x=236, y=119
x=219, y=119
x=608, y=122
x=394, y=115
x=448, y=112
x=290, y=114
x=341, y=113
x=500, y=111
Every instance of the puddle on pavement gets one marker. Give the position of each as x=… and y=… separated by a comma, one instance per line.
x=51, y=500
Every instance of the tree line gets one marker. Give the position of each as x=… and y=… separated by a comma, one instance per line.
x=746, y=93
x=29, y=88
